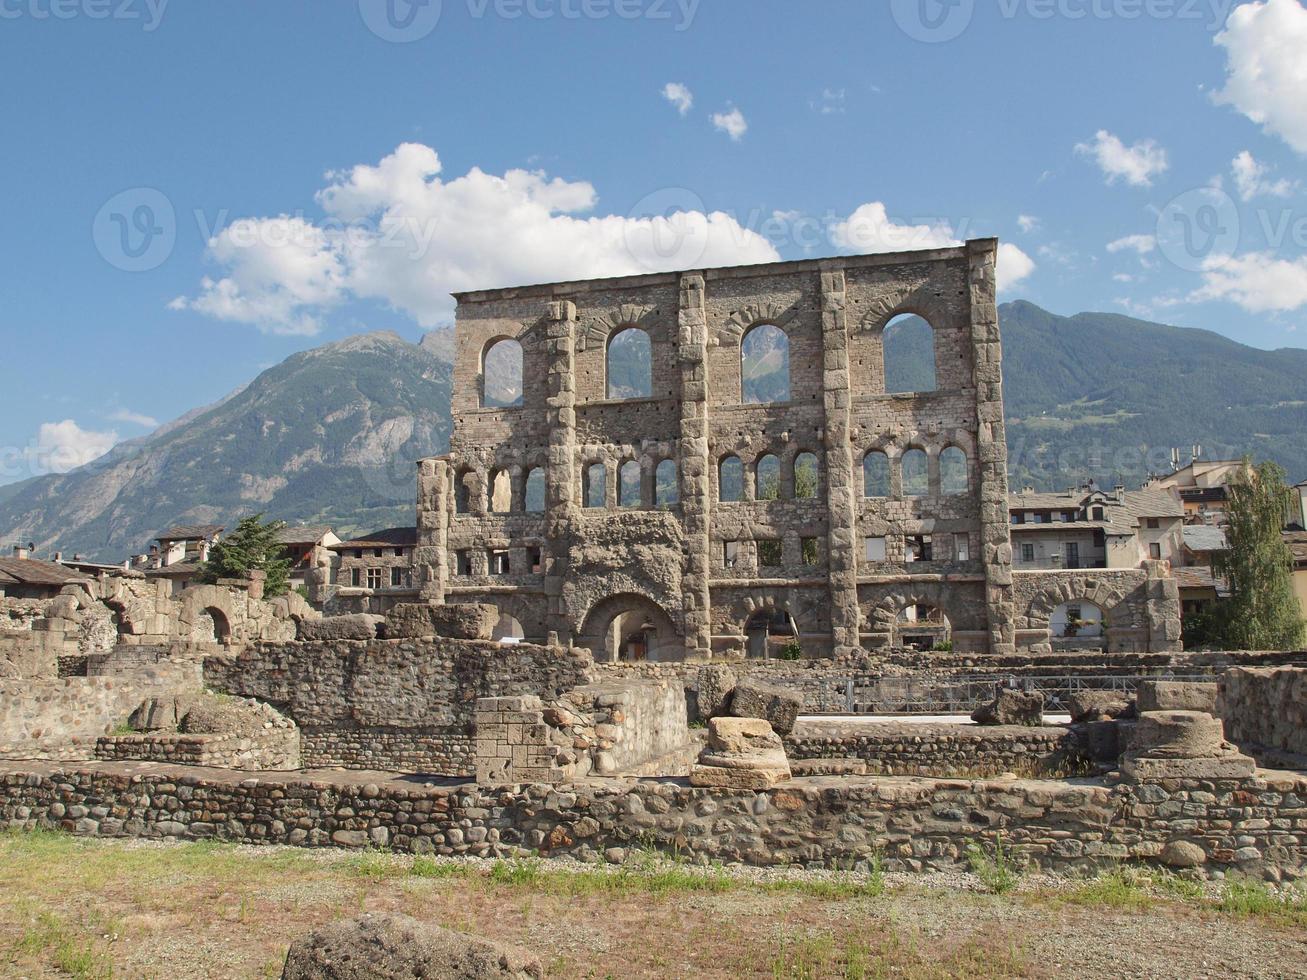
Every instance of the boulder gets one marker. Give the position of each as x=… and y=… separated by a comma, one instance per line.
x=154, y=714
x=741, y=753
x=716, y=685
x=390, y=947
x=1177, y=696
x=777, y=706
x=1012, y=708
x=459, y=621
x=1089, y=706
x=1183, y=854
x=358, y=626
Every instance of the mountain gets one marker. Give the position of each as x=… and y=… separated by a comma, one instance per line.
x=330, y=435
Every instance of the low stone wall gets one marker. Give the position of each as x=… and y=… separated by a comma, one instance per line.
x=941, y=750
x=1254, y=826
x=1265, y=707
x=273, y=750
x=631, y=722
x=62, y=718
x=400, y=705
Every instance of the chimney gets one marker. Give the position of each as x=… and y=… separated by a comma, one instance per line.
x=1119, y=490
x=58, y=556
x=21, y=551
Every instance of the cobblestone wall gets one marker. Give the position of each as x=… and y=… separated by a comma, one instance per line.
x=273, y=750
x=1265, y=706
x=1256, y=826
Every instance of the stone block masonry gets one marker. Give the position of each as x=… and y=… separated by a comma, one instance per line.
x=1255, y=826
x=1265, y=707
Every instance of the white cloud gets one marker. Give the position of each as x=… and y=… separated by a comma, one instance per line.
x=1258, y=282
x=135, y=418
x=1027, y=223
x=1137, y=165
x=679, y=96
x=831, y=102
x=1122, y=277
x=397, y=233
x=1142, y=244
x=871, y=229
x=1266, y=69
x=63, y=446
x=731, y=123
x=1252, y=179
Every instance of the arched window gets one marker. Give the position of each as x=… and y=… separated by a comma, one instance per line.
x=501, y=374
x=628, y=484
x=630, y=364
x=953, y=471
x=465, y=491
x=667, y=491
x=875, y=474
x=805, y=476
x=730, y=480
x=765, y=366
x=916, y=473
x=595, y=490
x=767, y=478
x=535, y=491
x=501, y=492
x=908, y=348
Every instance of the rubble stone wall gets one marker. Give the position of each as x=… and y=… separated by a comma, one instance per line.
x=272, y=750
x=1141, y=606
x=402, y=705
x=1254, y=826
x=1265, y=707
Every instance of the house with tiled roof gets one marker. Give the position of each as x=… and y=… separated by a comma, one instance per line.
x=308, y=549
x=179, y=552
x=375, y=571
x=22, y=577
x=1088, y=527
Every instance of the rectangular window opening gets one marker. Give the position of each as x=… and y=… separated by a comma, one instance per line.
x=769, y=554
x=875, y=549
x=730, y=553
x=499, y=564
x=810, y=551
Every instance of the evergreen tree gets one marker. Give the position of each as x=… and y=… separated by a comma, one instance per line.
x=253, y=546
x=1262, y=612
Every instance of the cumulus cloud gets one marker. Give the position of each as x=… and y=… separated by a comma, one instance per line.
x=1252, y=179
x=732, y=123
x=1137, y=164
x=679, y=96
x=1027, y=223
x=1266, y=71
x=1258, y=282
x=135, y=418
x=63, y=446
x=1142, y=244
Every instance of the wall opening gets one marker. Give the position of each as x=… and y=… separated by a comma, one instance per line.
x=875, y=474
x=769, y=632
x=805, y=476
x=501, y=374
x=501, y=492
x=915, y=467
x=535, y=491
x=667, y=490
x=919, y=626
x=953, y=471
x=908, y=348
x=628, y=484
x=765, y=366
x=730, y=480
x=1076, y=620
x=594, y=493
x=630, y=364
x=767, y=478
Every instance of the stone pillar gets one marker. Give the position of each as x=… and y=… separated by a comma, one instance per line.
x=1163, y=604
x=561, y=483
x=435, y=504
x=841, y=487
x=991, y=446
x=693, y=465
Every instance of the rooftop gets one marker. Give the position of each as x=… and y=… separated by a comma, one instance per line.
x=1203, y=537
x=391, y=537
x=304, y=534
x=29, y=571
x=191, y=532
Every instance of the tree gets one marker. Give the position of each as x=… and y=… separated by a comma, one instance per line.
x=253, y=546
x=1262, y=612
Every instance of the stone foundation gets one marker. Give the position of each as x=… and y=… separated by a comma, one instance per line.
x=1265, y=707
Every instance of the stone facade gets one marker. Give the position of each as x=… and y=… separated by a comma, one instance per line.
x=597, y=575
x=1265, y=708
x=1253, y=826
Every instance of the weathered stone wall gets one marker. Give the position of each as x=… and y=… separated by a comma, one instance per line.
x=269, y=751
x=404, y=705
x=1264, y=707
x=630, y=724
x=941, y=750
x=1254, y=826
x=1141, y=606
x=62, y=718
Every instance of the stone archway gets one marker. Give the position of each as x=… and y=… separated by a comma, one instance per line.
x=221, y=628
x=629, y=626
x=210, y=614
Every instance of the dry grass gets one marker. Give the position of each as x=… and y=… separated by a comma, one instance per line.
x=97, y=909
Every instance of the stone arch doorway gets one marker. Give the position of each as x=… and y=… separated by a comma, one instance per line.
x=921, y=626
x=1078, y=619
x=221, y=629
x=768, y=632
x=508, y=630
x=633, y=628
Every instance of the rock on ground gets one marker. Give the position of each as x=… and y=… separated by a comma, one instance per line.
x=1177, y=696
x=358, y=626
x=741, y=753
x=777, y=706
x=716, y=684
x=1100, y=706
x=1012, y=708
x=461, y=621
x=390, y=947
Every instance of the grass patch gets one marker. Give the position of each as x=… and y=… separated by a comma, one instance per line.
x=993, y=866
x=1253, y=900
x=824, y=957
x=1120, y=888
x=425, y=867
x=52, y=940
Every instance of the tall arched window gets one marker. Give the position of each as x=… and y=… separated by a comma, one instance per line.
x=767, y=478
x=501, y=492
x=953, y=471
x=667, y=491
x=915, y=469
x=535, y=491
x=908, y=348
x=765, y=366
x=595, y=489
x=501, y=374
x=805, y=476
x=465, y=491
x=628, y=484
x=730, y=480
x=875, y=474
x=630, y=364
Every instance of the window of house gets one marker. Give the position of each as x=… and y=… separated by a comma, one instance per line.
x=374, y=578
x=810, y=551
x=358, y=552
x=464, y=560
x=1072, y=554
x=1073, y=614
x=769, y=553
x=1018, y=517
x=1027, y=552
x=356, y=577
x=535, y=560
x=396, y=577
x=1098, y=513
x=1154, y=523
x=399, y=552
x=378, y=552
x=499, y=562
x=1155, y=550
x=917, y=547
x=874, y=549
x=962, y=547
x=730, y=553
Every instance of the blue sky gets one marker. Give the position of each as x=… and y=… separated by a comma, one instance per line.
x=286, y=174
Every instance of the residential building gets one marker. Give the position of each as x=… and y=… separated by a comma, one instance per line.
x=179, y=552
x=1202, y=487
x=1199, y=587
x=1297, y=542
x=374, y=572
x=1086, y=527
x=1298, y=508
x=312, y=562
x=23, y=577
